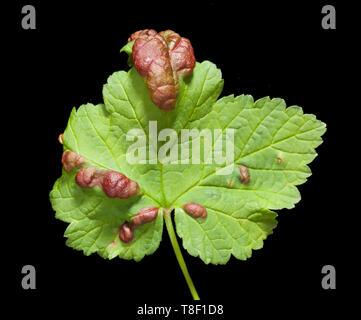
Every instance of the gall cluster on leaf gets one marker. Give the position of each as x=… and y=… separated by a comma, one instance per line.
x=113, y=183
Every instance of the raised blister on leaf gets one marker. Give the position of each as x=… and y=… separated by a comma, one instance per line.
x=180, y=52
x=195, y=210
x=126, y=232
x=72, y=160
x=145, y=215
x=117, y=185
x=89, y=177
x=161, y=58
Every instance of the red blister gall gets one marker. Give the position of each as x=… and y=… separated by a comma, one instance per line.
x=117, y=185
x=126, y=232
x=114, y=184
x=161, y=58
x=180, y=52
x=72, y=160
x=145, y=215
x=87, y=177
x=195, y=210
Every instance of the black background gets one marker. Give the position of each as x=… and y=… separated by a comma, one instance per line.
x=276, y=50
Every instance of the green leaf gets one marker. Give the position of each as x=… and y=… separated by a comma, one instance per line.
x=128, y=49
x=274, y=142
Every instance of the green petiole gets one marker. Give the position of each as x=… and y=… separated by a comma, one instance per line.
x=178, y=253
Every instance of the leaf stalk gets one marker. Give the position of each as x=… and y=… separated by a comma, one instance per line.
x=178, y=253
